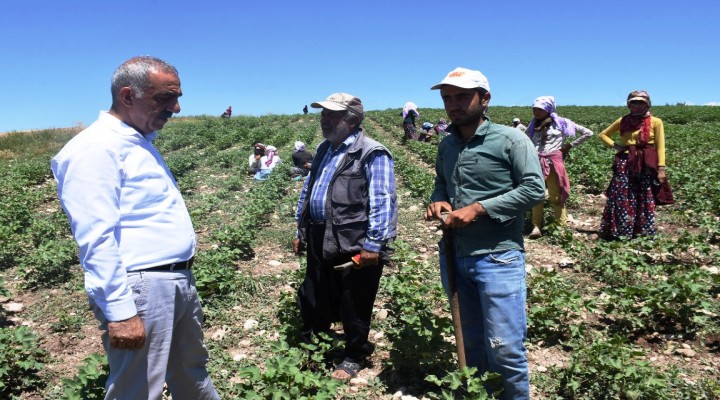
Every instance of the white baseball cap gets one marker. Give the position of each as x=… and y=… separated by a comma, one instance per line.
x=464, y=78
x=516, y=119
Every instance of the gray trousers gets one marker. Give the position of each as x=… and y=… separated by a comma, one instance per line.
x=168, y=304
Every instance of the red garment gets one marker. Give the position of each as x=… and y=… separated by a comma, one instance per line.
x=632, y=123
x=556, y=160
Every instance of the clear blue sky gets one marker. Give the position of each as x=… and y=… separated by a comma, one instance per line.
x=271, y=56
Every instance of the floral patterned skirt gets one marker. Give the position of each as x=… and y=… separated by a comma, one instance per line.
x=630, y=208
x=410, y=131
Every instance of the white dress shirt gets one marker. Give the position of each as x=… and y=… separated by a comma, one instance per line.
x=125, y=209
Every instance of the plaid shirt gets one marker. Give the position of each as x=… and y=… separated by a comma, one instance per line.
x=379, y=170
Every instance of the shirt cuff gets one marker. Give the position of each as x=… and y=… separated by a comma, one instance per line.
x=373, y=246
x=119, y=310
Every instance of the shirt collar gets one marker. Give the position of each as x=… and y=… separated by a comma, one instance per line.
x=347, y=142
x=122, y=128
x=480, y=131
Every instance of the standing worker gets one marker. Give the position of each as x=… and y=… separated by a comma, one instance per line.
x=409, y=113
x=548, y=132
x=136, y=239
x=639, y=159
x=347, y=207
x=487, y=176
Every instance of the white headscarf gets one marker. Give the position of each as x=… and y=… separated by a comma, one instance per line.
x=299, y=146
x=409, y=106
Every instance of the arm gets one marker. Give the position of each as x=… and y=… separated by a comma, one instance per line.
x=529, y=187
x=439, y=200
x=606, y=134
x=296, y=243
x=585, y=134
x=659, y=132
x=381, y=187
x=89, y=190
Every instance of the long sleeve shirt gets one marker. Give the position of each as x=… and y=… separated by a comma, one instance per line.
x=657, y=137
x=125, y=209
x=499, y=168
x=551, y=139
x=379, y=171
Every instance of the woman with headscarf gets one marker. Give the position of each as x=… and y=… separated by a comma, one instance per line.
x=548, y=132
x=267, y=163
x=409, y=113
x=440, y=127
x=254, y=159
x=302, y=161
x=640, y=159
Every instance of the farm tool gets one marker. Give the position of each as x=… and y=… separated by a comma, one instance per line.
x=452, y=291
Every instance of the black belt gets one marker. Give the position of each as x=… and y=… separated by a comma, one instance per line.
x=178, y=266
x=317, y=222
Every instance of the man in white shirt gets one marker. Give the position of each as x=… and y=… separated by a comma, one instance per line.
x=136, y=239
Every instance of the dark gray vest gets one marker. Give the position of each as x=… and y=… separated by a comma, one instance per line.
x=347, y=205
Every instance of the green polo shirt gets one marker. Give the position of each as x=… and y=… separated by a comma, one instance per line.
x=497, y=167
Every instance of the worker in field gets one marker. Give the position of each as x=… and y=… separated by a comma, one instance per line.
x=441, y=127
x=517, y=124
x=410, y=113
x=254, y=165
x=302, y=161
x=137, y=242
x=227, y=113
x=267, y=163
x=487, y=175
x=553, y=137
x=346, y=215
x=639, y=162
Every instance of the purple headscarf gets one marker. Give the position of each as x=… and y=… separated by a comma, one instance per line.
x=547, y=103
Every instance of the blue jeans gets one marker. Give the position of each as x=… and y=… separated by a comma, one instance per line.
x=491, y=292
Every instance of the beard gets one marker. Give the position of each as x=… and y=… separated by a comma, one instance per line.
x=469, y=117
x=337, y=133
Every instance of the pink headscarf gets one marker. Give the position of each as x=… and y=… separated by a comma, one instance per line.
x=547, y=103
x=270, y=153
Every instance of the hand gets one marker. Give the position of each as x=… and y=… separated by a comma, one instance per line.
x=661, y=175
x=565, y=149
x=368, y=258
x=464, y=216
x=128, y=334
x=435, y=210
x=297, y=246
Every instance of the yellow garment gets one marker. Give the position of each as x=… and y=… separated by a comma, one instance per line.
x=657, y=137
x=553, y=188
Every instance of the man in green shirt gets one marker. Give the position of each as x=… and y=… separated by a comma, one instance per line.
x=487, y=176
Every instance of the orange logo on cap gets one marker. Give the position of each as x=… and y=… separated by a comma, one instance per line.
x=456, y=74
